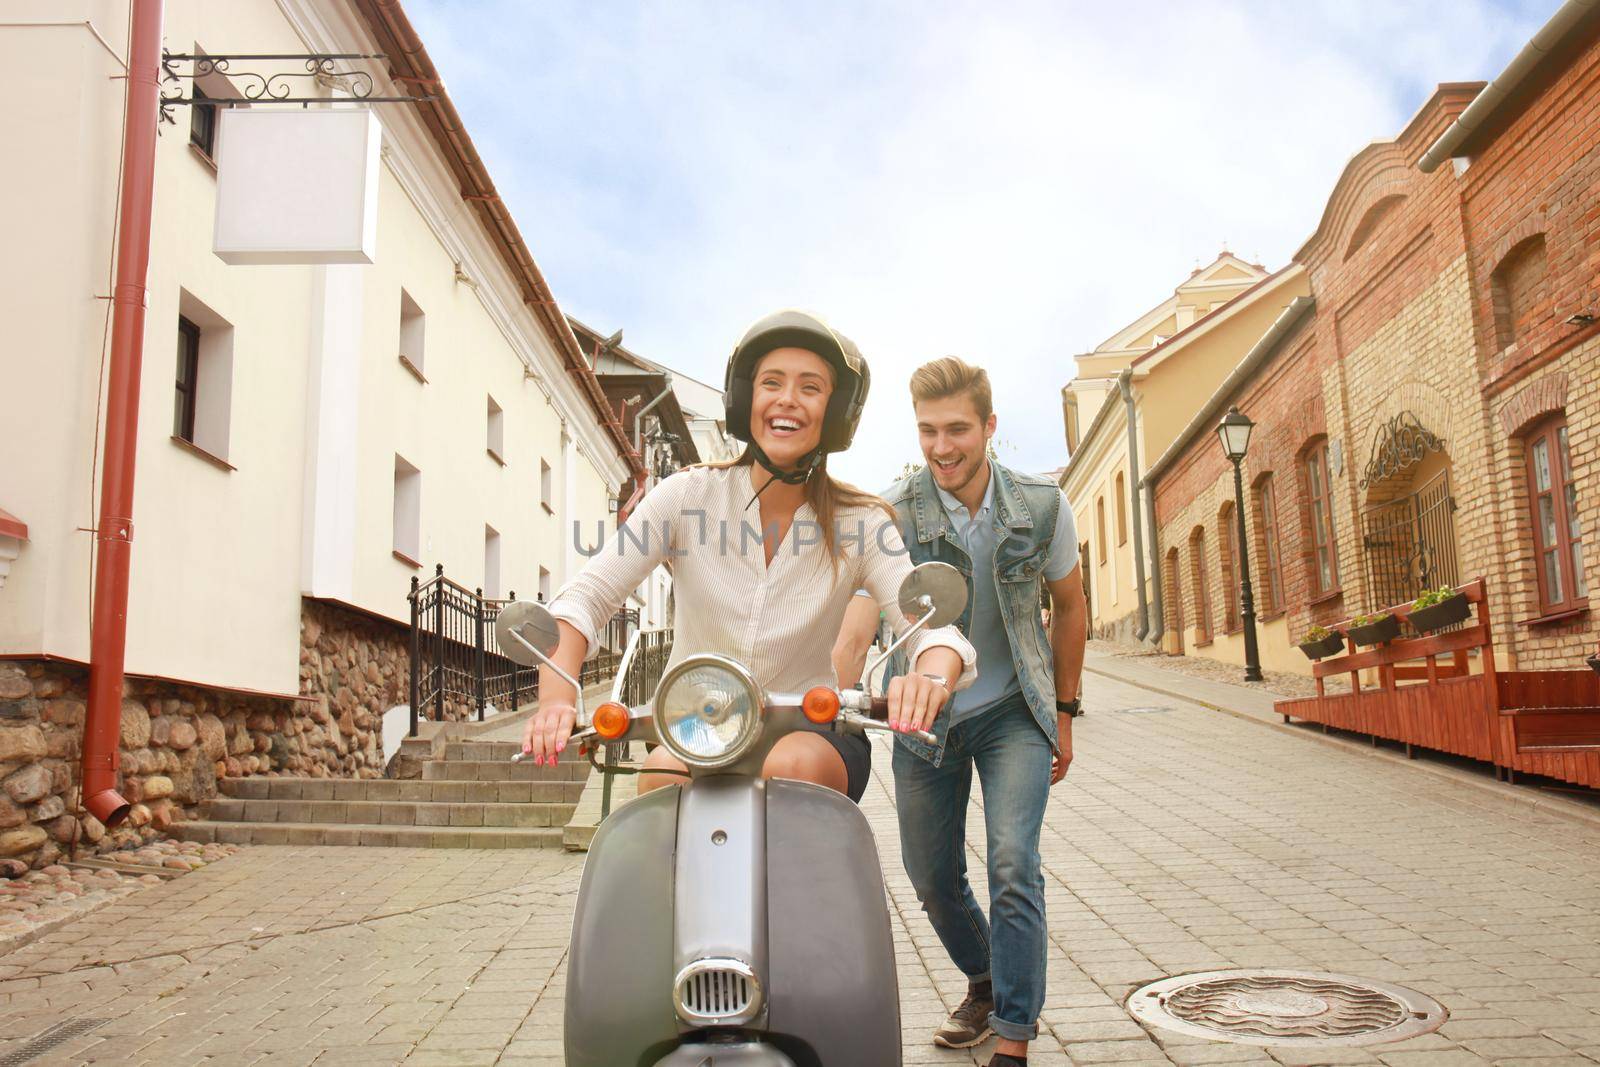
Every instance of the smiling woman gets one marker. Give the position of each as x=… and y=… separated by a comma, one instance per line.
x=772, y=594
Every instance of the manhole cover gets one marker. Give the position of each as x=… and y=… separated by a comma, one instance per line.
x=1286, y=1008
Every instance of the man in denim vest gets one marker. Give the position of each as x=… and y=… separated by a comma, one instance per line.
x=1006, y=532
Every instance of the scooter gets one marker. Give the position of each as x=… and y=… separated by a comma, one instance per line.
x=732, y=921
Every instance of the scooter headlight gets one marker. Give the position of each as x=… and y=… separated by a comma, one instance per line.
x=708, y=711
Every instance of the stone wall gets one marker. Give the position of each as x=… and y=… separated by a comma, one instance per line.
x=177, y=739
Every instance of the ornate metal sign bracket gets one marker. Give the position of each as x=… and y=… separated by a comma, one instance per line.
x=1401, y=442
x=272, y=88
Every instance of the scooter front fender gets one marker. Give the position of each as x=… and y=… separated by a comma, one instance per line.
x=742, y=1054
x=620, y=967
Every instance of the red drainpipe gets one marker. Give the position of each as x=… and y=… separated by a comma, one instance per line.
x=114, y=540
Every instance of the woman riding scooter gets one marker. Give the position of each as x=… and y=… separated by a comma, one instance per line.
x=772, y=591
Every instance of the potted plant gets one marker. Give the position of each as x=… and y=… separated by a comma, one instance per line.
x=1437, y=608
x=1319, y=641
x=1374, y=629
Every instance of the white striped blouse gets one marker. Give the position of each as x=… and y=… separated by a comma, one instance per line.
x=780, y=620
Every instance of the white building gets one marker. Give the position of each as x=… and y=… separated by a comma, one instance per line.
x=310, y=437
x=674, y=421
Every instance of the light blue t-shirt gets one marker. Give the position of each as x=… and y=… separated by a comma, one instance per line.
x=997, y=672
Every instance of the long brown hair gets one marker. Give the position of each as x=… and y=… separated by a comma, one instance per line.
x=827, y=496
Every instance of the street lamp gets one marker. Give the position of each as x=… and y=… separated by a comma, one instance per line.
x=1234, y=430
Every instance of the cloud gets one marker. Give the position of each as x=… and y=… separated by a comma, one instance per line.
x=1009, y=182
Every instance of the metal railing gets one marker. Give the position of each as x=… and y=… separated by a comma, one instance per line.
x=458, y=669
x=1409, y=544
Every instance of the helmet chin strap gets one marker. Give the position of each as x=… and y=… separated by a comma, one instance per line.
x=799, y=476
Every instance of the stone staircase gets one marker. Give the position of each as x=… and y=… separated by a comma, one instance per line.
x=469, y=795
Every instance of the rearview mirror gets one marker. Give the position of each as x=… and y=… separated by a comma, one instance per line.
x=933, y=594
x=934, y=590
x=526, y=632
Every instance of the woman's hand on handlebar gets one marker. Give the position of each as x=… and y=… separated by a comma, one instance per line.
x=547, y=732
x=914, y=702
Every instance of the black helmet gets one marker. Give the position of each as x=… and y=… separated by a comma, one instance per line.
x=798, y=329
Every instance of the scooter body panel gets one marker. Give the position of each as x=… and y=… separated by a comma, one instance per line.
x=742, y=1054
x=831, y=977
x=620, y=965
x=720, y=881
x=683, y=874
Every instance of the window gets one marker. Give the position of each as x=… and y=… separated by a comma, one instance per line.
x=1557, y=537
x=1228, y=539
x=202, y=405
x=1100, y=526
x=1197, y=583
x=544, y=586
x=497, y=432
x=411, y=335
x=1122, y=510
x=1267, y=548
x=407, y=511
x=188, y=378
x=491, y=563
x=1518, y=291
x=1172, y=597
x=203, y=124
x=545, y=487
x=1319, y=499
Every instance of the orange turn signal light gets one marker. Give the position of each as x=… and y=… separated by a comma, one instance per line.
x=611, y=720
x=820, y=704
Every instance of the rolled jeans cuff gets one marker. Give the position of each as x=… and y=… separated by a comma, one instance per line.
x=1013, y=1031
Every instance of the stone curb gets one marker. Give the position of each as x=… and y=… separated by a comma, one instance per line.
x=79, y=908
x=1504, y=792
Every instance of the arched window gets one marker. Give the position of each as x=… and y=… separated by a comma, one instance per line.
x=1557, y=535
x=1518, y=290
x=1122, y=510
x=1228, y=553
x=1172, y=597
x=1197, y=586
x=1323, y=557
x=1100, y=527
x=1268, y=550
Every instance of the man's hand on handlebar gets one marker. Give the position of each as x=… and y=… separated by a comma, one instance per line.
x=547, y=732
x=914, y=702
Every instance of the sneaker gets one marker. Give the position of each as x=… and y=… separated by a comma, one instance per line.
x=968, y=1025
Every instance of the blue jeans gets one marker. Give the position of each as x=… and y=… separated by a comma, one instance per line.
x=1013, y=759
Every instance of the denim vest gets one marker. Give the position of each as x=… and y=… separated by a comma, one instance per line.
x=1025, y=506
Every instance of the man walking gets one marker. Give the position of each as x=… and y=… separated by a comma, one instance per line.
x=1007, y=532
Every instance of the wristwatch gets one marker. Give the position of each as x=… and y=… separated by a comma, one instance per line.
x=1072, y=707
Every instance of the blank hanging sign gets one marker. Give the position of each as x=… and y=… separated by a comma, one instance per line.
x=297, y=186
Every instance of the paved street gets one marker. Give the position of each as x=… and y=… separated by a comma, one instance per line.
x=1184, y=839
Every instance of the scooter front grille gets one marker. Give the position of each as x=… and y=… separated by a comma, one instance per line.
x=709, y=994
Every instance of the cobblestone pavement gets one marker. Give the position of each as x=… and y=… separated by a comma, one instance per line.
x=1184, y=839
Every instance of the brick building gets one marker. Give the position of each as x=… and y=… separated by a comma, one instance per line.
x=1432, y=413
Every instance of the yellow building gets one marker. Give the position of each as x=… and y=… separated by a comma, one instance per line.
x=1160, y=368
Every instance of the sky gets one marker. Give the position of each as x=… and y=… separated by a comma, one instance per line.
x=1010, y=182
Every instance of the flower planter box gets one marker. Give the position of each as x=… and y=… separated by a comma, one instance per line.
x=1381, y=632
x=1332, y=645
x=1438, y=616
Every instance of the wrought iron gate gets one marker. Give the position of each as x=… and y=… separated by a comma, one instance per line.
x=457, y=668
x=1410, y=543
